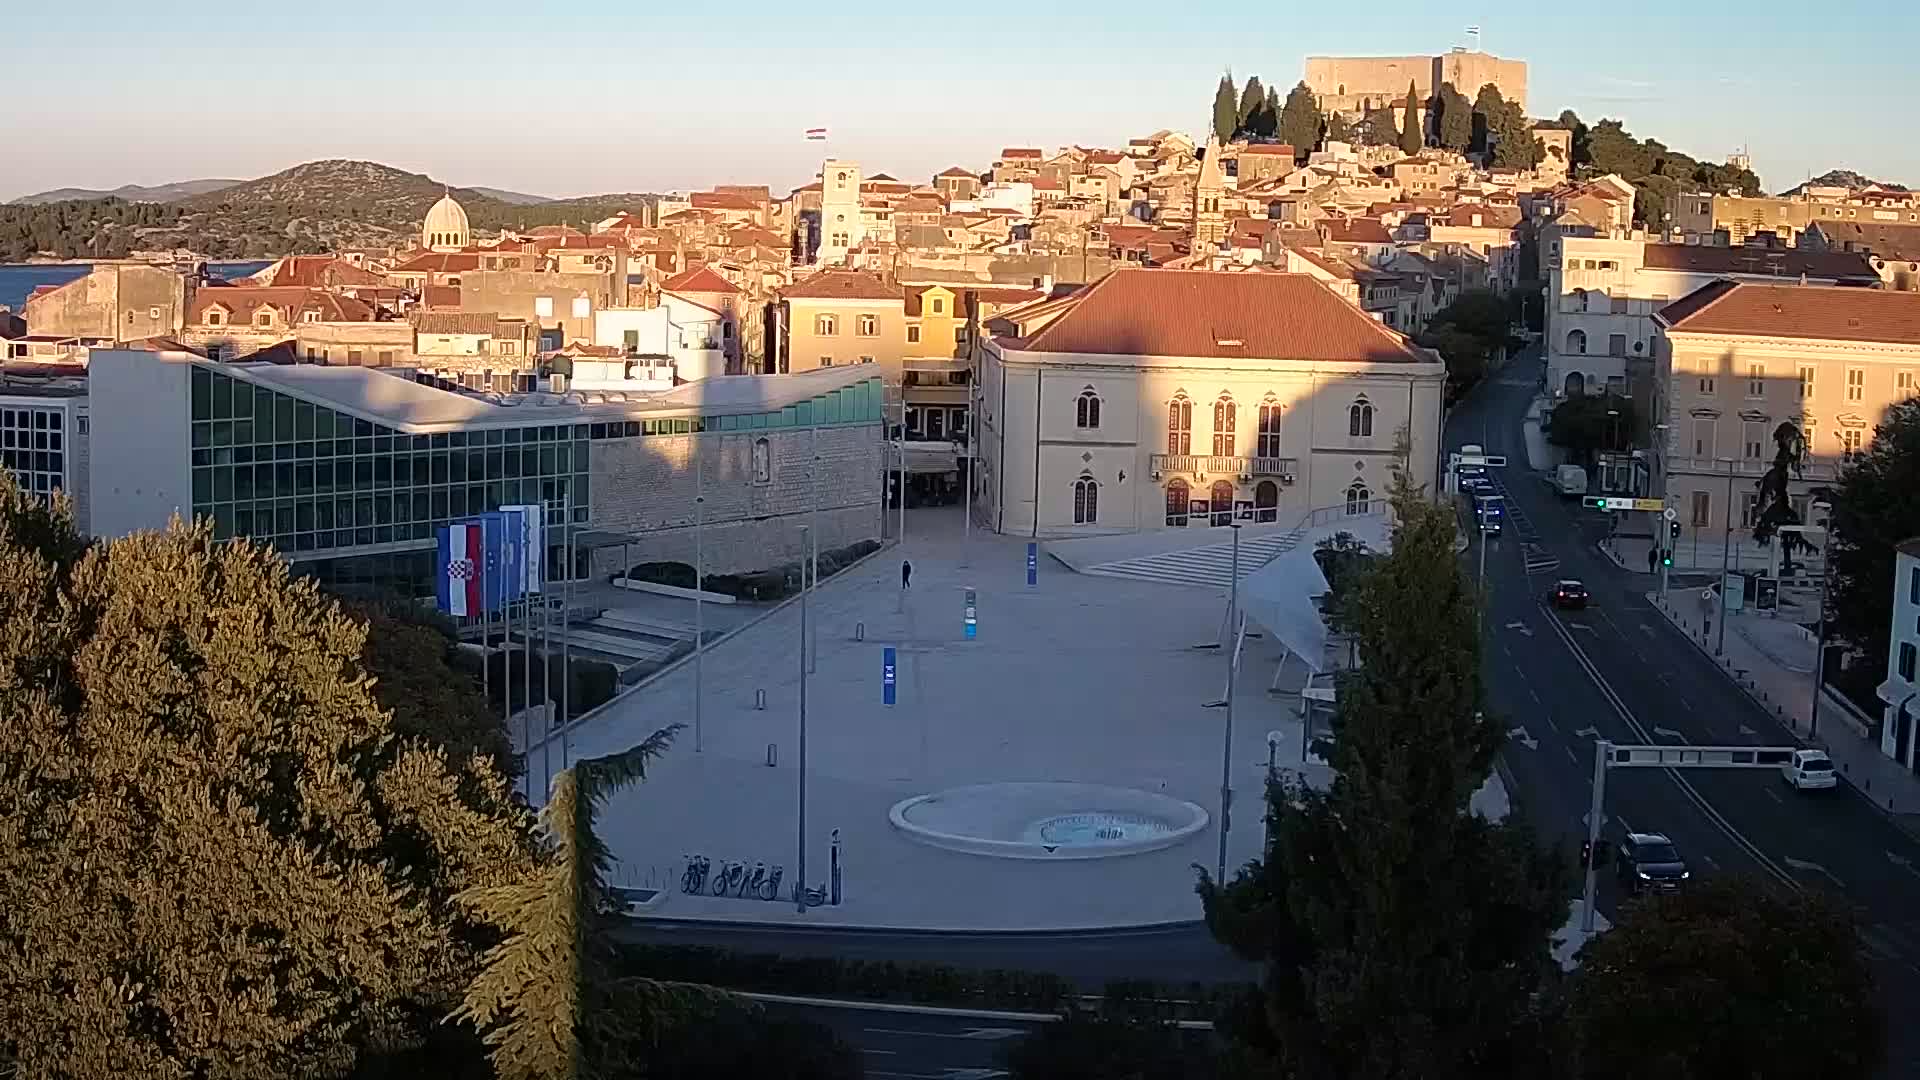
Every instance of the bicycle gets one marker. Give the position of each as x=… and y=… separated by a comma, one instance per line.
x=771, y=890
x=751, y=883
x=811, y=897
x=693, y=880
x=729, y=878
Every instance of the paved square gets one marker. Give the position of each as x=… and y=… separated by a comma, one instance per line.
x=1083, y=678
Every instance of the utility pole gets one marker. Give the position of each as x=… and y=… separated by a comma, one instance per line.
x=800, y=835
x=699, y=592
x=1726, y=552
x=1226, y=743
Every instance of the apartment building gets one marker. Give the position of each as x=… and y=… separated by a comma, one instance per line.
x=1603, y=291
x=1735, y=360
x=841, y=317
x=1901, y=690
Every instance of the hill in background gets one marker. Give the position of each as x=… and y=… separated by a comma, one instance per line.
x=316, y=207
x=158, y=193
x=1846, y=178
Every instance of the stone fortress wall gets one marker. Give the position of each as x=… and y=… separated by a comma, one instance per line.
x=1351, y=84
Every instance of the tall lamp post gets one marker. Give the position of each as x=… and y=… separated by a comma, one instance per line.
x=1820, y=631
x=800, y=835
x=1226, y=744
x=1726, y=552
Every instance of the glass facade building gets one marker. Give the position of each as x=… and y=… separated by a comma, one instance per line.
x=357, y=502
x=32, y=446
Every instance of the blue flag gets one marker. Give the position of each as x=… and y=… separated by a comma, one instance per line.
x=506, y=537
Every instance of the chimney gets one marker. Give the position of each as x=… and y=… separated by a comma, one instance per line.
x=1803, y=277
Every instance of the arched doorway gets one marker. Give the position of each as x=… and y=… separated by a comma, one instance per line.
x=1179, y=502
x=1576, y=384
x=1266, y=501
x=1222, y=503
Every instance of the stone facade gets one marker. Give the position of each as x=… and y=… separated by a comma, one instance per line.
x=119, y=302
x=1350, y=84
x=646, y=486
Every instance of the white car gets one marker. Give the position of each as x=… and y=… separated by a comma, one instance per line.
x=1809, y=770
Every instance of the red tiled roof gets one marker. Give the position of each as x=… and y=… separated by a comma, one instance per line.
x=439, y=262
x=316, y=271
x=1358, y=231
x=720, y=200
x=842, y=285
x=1221, y=315
x=1780, y=262
x=436, y=296
x=700, y=279
x=1019, y=152
x=455, y=322
x=955, y=171
x=291, y=303
x=1268, y=149
x=1819, y=312
x=1105, y=157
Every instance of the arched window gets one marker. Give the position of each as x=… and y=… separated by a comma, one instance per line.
x=1360, y=418
x=1086, y=500
x=1268, y=443
x=1221, y=503
x=1266, y=501
x=1224, y=419
x=1180, y=425
x=1577, y=342
x=1086, y=410
x=1576, y=384
x=1179, y=501
x=1358, y=499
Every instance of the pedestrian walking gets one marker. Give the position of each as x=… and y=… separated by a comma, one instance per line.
x=1651, y=558
x=906, y=574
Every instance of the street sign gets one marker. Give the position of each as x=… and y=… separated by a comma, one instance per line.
x=1621, y=502
x=972, y=623
x=888, y=668
x=1033, y=565
x=1671, y=513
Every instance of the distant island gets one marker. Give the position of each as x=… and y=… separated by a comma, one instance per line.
x=316, y=207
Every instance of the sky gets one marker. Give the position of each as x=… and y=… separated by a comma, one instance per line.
x=615, y=96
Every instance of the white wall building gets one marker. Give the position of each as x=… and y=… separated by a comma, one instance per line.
x=1183, y=398
x=1901, y=691
x=841, y=229
x=684, y=332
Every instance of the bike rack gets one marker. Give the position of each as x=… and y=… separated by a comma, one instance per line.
x=860, y=631
x=773, y=755
x=760, y=699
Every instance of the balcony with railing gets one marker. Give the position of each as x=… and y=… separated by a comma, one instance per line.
x=1201, y=465
x=1818, y=468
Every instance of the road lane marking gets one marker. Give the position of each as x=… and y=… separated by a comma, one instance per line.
x=1686, y=787
x=1669, y=733
x=1520, y=736
x=869, y=1050
x=975, y=1034
x=1570, y=755
x=1548, y=717
x=1775, y=796
x=1813, y=868
x=1536, y=698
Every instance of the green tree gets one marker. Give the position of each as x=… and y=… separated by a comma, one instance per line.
x=1729, y=978
x=1253, y=98
x=421, y=676
x=1590, y=423
x=1775, y=505
x=1300, y=119
x=1083, y=1047
x=550, y=999
x=1514, y=144
x=1402, y=935
x=1486, y=104
x=1226, y=108
x=1876, y=505
x=1455, y=123
x=217, y=857
x=1376, y=128
x=1339, y=128
x=1270, y=115
x=1412, y=135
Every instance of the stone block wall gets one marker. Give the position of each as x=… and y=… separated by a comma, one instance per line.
x=646, y=486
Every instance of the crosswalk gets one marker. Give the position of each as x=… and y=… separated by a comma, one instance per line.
x=1209, y=565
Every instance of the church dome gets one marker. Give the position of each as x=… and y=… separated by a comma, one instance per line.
x=445, y=228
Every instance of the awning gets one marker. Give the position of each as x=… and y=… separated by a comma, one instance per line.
x=1280, y=597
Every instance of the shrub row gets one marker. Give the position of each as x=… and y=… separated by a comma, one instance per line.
x=920, y=983
x=760, y=586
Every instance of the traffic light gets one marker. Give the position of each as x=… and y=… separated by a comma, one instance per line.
x=1594, y=858
x=1673, y=529
x=1666, y=558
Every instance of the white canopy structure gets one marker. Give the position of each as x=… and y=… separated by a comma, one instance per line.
x=1280, y=598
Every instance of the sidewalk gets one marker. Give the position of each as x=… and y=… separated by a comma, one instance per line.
x=1694, y=556
x=1772, y=659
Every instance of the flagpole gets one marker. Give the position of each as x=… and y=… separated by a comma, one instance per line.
x=546, y=650
x=566, y=637
x=699, y=585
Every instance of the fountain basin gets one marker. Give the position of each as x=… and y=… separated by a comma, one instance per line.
x=1047, y=820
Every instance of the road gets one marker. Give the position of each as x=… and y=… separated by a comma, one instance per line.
x=911, y=1046
x=1619, y=671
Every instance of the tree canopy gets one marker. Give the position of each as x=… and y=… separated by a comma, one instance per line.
x=1455, y=118
x=1876, y=505
x=1401, y=934
x=1657, y=171
x=1226, y=108
x=1728, y=978
x=1412, y=137
x=1590, y=423
x=1468, y=333
x=1253, y=98
x=1300, y=119
x=218, y=858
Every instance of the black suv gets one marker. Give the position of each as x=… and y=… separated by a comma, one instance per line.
x=1648, y=861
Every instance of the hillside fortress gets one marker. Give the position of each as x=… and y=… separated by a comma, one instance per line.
x=1353, y=84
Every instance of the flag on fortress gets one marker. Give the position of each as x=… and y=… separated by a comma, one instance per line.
x=817, y=134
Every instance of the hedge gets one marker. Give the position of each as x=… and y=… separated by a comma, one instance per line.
x=921, y=983
x=763, y=586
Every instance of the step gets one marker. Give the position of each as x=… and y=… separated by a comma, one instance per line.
x=619, y=645
x=618, y=619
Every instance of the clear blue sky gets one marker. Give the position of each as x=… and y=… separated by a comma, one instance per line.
x=610, y=96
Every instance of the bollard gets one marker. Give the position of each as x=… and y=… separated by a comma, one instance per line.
x=760, y=699
x=773, y=755
x=859, y=631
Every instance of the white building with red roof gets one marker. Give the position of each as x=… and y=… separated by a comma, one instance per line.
x=1161, y=399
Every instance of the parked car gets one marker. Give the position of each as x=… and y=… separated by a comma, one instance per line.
x=1649, y=861
x=1568, y=594
x=1809, y=770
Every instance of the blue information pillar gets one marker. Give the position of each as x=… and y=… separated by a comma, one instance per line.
x=887, y=669
x=972, y=610
x=1033, y=565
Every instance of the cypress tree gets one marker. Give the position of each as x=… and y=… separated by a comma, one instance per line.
x=1226, y=108
x=1455, y=125
x=1412, y=133
x=1300, y=119
x=1252, y=98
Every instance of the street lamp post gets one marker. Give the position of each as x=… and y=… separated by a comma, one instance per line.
x=1720, y=644
x=800, y=834
x=699, y=593
x=1226, y=746
x=1820, y=631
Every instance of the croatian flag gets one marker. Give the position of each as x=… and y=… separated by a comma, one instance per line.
x=461, y=588
x=533, y=545
x=817, y=134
